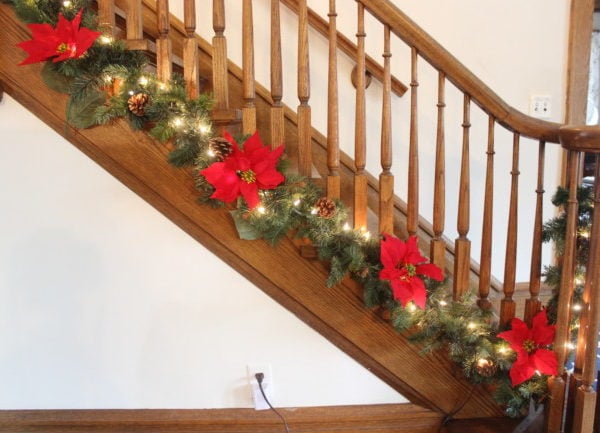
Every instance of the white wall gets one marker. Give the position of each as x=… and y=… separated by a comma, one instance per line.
x=106, y=304
x=517, y=48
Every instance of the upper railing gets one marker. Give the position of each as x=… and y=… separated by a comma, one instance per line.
x=497, y=115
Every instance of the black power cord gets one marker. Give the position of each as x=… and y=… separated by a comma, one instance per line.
x=259, y=378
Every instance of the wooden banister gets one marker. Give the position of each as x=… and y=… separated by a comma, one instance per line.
x=333, y=141
x=249, y=109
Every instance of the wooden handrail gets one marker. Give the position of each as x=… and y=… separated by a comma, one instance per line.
x=459, y=75
x=347, y=46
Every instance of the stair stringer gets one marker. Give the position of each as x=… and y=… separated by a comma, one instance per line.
x=337, y=313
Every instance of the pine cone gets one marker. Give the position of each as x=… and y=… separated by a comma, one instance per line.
x=486, y=368
x=220, y=147
x=137, y=103
x=325, y=207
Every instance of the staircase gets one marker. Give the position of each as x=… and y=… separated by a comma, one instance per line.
x=337, y=313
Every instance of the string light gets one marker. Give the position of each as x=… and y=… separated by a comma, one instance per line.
x=577, y=307
x=411, y=307
x=261, y=210
x=162, y=86
x=570, y=346
x=443, y=303
x=346, y=227
x=297, y=202
x=203, y=128
x=472, y=325
x=177, y=122
x=210, y=153
x=578, y=281
x=131, y=93
x=105, y=39
x=314, y=211
x=366, y=235
x=67, y=4
x=143, y=81
x=585, y=234
x=483, y=362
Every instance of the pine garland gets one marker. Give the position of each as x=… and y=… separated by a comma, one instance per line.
x=110, y=83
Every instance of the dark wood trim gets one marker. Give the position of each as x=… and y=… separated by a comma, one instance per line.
x=340, y=419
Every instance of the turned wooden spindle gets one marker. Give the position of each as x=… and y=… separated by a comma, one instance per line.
x=191, y=74
x=412, y=217
x=585, y=397
x=106, y=17
x=304, y=110
x=249, y=108
x=533, y=305
x=277, y=114
x=386, y=178
x=557, y=385
x=219, y=42
x=462, y=244
x=438, y=245
x=360, y=135
x=485, y=262
x=333, y=145
x=163, y=42
x=134, y=29
x=507, y=305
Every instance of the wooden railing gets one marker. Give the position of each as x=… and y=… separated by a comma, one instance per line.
x=498, y=114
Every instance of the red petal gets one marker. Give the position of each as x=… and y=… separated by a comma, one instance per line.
x=543, y=334
x=269, y=179
x=250, y=193
x=393, y=251
x=226, y=182
x=430, y=270
x=402, y=291
x=390, y=273
x=419, y=294
x=545, y=361
x=517, y=335
x=85, y=39
x=521, y=371
x=413, y=255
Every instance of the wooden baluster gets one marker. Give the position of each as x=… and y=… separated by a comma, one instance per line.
x=557, y=385
x=277, y=119
x=462, y=244
x=134, y=25
x=333, y=145
x=360, y=137
x=412, y=217
x=507, y=305
x=163, y=43
x=533, y=304
x=386, y=178
x=219, y=42
x=249, y=109
x=304, y=111
x=190, y=50
x=438, y=245
x=585, y=397
x=106, y=17
x=485, y=273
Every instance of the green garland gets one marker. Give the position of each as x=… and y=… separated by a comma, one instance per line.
x=110, y=82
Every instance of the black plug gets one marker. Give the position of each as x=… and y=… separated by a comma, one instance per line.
x=259, y=377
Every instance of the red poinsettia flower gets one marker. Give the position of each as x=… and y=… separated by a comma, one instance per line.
x=403, y=265
x=66, y=41
x=245, y=172
x=530, y=344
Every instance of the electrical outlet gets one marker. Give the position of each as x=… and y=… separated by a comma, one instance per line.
x=541, y=106
x=267, y=384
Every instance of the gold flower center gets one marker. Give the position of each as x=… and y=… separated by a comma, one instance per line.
x=247, y=176
x=64, y=47
x=529, y=346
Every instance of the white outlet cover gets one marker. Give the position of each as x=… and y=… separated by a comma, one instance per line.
x=257, y=397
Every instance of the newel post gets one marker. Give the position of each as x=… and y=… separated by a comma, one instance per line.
x=577, y=140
